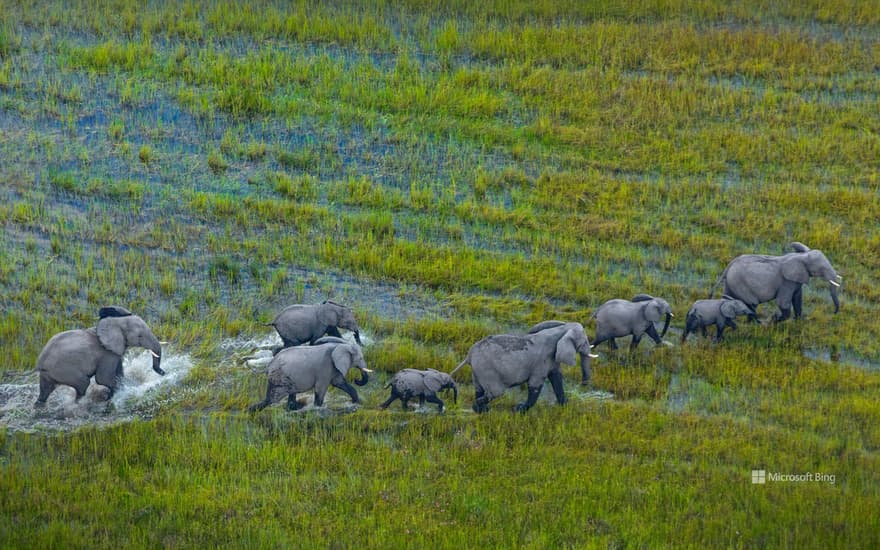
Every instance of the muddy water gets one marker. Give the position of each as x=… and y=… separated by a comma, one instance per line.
x=140, y=393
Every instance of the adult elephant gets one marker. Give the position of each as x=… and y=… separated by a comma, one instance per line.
x=303, y=368
x=756, y=279
x=299, y=323
x=618, y=318
x=503, y=361
x=72, y=357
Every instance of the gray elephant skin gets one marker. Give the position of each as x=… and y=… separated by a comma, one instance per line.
x=503, y=361
x=618, y=318
x=303, y=368
x=299, y=324
x=424, y=384
x=721, y=313
x=73, y=357
x=756, y=279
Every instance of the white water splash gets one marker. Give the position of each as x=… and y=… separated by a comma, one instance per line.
x=140, y=390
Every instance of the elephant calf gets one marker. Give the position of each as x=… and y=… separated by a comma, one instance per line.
x=423, y=384
x=720, y=313
x=303, y=368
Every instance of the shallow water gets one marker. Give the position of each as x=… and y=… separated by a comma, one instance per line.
x=140, y=393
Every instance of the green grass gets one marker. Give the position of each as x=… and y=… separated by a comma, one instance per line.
x=450, y=170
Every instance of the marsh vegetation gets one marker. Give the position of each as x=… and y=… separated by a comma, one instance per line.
x=448, y=170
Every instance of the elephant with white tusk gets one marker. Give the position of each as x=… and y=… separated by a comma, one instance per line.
x=72, y=357
x=619, y=318
x=756, y=279
x=303, y=368
x=503, y=361
x=299, y=324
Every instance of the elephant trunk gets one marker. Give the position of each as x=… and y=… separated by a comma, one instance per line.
x=454, y=393
x=833, y=291
x=666, y=324
x=156, y=351
x=362, y=381
x=586, y=372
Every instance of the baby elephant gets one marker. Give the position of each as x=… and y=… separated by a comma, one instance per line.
x=720, y=313
x=423, y=384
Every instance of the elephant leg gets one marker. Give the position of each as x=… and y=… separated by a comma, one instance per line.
x=612, y=344
x=432, y=398
x=652, y=332
x=719, y=332
x=555, y=378
x=704, y=331
x=108, y=376
x=797, y=301
x=270, y=389
x=404, y=403
x=784, y=313
x=46, y=387
x=731, y=324
x=421, y=401
x=81, y=386
x=481, y=404
x=319, y=398
x=389, y=401
x=346, y=387
x=684, y=335
x=534, y=392
x=635, y=342
x=292, y=403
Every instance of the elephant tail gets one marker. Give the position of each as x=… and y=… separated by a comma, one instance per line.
x=463, y=363
x=721, y=277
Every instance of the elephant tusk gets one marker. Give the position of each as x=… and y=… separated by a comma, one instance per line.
x=593, y=355
x=366, y=370
x=154, y=353
x=592, y=346
x=163, y=343
x=835, y=283
x=839, y=277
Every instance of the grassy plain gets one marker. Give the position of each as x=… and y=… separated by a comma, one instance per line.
x=451, y=170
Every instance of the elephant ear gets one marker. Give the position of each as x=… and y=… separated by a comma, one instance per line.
x=110, y=334
x=341, y=356
x=652, y=311
x=793, y=269
x=642, y=298
x=565, y=350
x=728, y=309
x=433, y=380
x=798, y=247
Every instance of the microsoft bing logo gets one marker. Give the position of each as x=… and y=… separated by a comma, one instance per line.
x=759, y=476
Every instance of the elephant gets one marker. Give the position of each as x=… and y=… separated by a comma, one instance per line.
x=302, y=368
x=298, y=324
x=424, y=384
x=618, y=318
x=502, y=361
x=756, y=278
x=720, y=313
x=72, y=357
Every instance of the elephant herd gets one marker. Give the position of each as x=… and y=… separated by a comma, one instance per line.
x=314, y=357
